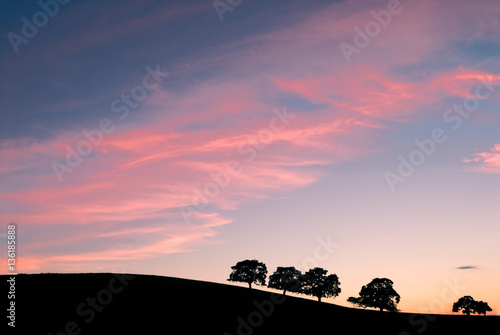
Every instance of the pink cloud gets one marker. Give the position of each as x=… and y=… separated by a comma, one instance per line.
x=486, y=161
x=86, y=261
x=148, y=171
x=144, y=171
x=375, y=94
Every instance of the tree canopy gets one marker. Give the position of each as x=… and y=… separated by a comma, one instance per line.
x=482, y=307
x=317, y=283
x=468, y=305
x=249, y=271
x=286, y=279
x=379, y=293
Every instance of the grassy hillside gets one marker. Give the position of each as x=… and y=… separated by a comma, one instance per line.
x=141, y=304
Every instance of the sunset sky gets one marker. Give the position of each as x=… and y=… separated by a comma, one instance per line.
x=179, y=137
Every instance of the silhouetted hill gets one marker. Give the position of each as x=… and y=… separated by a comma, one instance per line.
x=162, y=305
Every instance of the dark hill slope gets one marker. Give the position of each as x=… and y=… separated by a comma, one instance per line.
x=120, y=304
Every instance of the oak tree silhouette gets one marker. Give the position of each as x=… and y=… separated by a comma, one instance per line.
x=286, y=279
x=315, y=282
x=468, y=305
x=482, y=307
x=379, y=293
x=249, y=271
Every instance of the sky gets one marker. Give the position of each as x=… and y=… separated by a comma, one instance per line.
x=177, y=138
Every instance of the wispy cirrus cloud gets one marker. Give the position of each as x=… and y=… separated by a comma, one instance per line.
x=143, y=173
x=129, y=190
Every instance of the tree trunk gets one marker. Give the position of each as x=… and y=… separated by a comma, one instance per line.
x=319, y=298
x=284, y=291
x=250, y=285
x=381, y=309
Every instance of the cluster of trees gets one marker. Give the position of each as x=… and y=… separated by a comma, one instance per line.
x=315, y=282
x=379, y=293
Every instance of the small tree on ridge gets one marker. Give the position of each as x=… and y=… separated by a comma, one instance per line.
x=249, y=271
x=286, y=279
x=316, y=283
x=379, y=293
x=468, y=305
x=482, y=307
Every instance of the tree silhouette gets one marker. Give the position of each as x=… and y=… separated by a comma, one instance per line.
x=249, y=271
x=286, y=279
x=482, y=307
x=379, y=293
x=315, y=282
x=468, y=305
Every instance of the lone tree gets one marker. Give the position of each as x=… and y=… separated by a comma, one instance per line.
x=286, y=279
x=315, y=282
x=249, y=271
x=482, y=307
x=468, y=305
x=379, y=293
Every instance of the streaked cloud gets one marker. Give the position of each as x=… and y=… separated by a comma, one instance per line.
x=467, y=267
x=123, y=201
